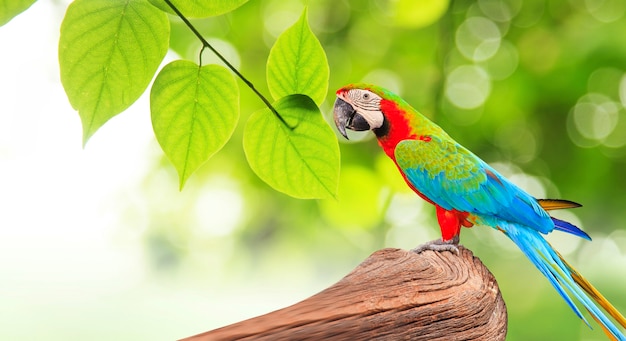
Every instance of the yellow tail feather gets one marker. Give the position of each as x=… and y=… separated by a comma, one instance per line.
x=557, y=204
x=596, y=296
x=604, y=329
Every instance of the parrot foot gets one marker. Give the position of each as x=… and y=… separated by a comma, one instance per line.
x=440, y=245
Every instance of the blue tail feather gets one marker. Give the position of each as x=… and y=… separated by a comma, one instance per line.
x=551, y=265
x=564, y=226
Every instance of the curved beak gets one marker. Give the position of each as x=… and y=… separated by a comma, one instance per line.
x=347, y=117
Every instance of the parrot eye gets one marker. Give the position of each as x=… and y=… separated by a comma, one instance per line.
x=366, y=96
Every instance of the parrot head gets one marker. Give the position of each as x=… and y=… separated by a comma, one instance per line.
x=358, y=108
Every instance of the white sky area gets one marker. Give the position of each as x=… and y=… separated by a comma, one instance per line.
x=52, y=189
x=57, y=221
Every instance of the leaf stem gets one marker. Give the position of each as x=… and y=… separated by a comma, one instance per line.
x=200, y=55
x=205, y=44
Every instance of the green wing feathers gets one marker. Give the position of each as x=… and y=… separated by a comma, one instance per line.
x=454, y=178
x=441, y=158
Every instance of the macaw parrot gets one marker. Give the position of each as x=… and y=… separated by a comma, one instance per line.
x=466, y=191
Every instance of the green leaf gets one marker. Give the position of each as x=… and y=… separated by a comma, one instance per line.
x=297, y=64
x=10, y=8
x=194, y=112
x=108, y=52
x=302, y=161
x=200, y=8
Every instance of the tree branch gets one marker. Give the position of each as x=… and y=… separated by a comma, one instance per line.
x=393, y=295
x=205, y=44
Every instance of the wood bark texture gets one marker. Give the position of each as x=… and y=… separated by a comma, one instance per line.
x=393, y=295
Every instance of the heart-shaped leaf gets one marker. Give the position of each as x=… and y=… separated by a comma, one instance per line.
x=194, y=113
x=302, y=159
x=297, y=64
x=108, y=52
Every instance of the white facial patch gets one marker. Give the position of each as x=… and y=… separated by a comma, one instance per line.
x=366, y=104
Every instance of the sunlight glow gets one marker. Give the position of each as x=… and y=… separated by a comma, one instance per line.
x=219, y=208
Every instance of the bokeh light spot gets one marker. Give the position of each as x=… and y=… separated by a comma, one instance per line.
x=606, y=10
x=529, y=13
x=575, y=135
x=279, y=15
x=385, y=78
x=617, y=138
x=468, y=86
x=478, y=38
x=322, y=20
x=461, y=117
x=595, y=116
x=518, y=139
x=409, y=218
x=504, y=62
x=499, y=10
x=605, y=80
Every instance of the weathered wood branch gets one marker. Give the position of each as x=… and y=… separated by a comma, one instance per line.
x=393, y=295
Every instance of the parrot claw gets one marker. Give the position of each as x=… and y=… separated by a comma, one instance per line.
x=440, y=245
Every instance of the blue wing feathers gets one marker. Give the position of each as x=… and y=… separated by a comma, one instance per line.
x=479, y=189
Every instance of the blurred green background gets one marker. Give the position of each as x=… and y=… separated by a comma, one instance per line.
x=100, y=243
